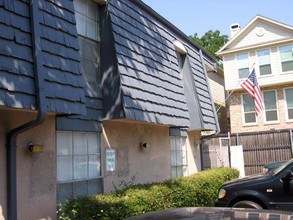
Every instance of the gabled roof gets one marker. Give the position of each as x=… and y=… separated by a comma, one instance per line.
x=228, y=47
x=148, y=72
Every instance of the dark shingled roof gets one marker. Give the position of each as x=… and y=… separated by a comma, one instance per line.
x=59, y=54
x=151, y=87
x=139, y=65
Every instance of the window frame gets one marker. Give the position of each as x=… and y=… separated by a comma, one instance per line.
x=86, y=38
x=238, y=65
x=174, y=149
x=286, y=105
x=260, y=65
x=265, y=110
x=280, y=56
x=71, y=155
x=249, y=112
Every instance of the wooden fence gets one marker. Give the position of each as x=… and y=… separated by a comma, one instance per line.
x=259, y=148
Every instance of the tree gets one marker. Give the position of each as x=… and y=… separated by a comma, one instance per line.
x=212, y=41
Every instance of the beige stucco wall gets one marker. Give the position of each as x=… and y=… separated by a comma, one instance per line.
x=132, y=161
x=36, y=173
x=236, y=113
x=193, y=152
x=135, y=164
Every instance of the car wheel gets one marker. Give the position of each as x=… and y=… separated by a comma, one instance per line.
x=247, y=204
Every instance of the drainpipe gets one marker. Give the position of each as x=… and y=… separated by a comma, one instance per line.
x=42, y=113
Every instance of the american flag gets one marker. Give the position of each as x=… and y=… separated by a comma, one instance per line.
x=251, y=86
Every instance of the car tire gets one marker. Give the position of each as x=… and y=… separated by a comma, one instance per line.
x=247, y=204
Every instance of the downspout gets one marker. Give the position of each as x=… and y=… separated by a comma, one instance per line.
x=42, y=113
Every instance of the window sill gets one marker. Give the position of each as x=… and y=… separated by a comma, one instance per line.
x=271, y=122
x=288, y=72
x=80, y=180
x=267, y=76
x=250, y=124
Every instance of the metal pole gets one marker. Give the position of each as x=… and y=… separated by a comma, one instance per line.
x=291, y=142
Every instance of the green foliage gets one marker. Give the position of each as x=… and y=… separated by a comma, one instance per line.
x=212, y=41
x=218, y=107
x=124, y=185
x=198, y=190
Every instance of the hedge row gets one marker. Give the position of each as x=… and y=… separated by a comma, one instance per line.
x=198, y=190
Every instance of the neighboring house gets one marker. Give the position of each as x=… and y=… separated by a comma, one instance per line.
x=267, y=46
x=217, y=85
x=93, y=93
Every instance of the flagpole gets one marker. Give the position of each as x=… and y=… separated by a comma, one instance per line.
x=240, y=81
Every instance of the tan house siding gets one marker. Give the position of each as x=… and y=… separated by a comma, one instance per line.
x=253, y=38
x=216, y=81
x=236, y=113
x=217, y=88
x=231, y=72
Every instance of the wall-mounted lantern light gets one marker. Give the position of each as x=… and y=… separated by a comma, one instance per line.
x=145, y=145
x=34, y=148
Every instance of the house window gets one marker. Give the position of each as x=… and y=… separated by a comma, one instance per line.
x=78, y=164
x=248, y=109
x=286, y=53
x=243, y=65
x=178, y=156
x=289, y=103
x=87, y=22
x=270, y=105
x=264, y=62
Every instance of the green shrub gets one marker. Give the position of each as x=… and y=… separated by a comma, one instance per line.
x=197, y=190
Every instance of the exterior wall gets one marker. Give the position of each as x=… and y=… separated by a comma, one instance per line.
x=36, y=173
x=132, y=161
x=277, y=77
x=216, y=81
x=270, y=32
x=260, y=33
x=135, y=164
x=236, y=113
x=193, y=152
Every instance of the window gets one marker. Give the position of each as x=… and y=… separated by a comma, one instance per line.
x=243, y=65
x=87, y=22
x=270, y=105
x=248, y=109
x=289, y=103
x=78, y=164
x=286, y=53
x=264, y=62
x=178, y=156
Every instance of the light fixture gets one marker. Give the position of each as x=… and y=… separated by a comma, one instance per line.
x=34, y=148
x=180, y=48
x=145, y=145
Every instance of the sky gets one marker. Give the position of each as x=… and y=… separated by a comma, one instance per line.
x=200, y=16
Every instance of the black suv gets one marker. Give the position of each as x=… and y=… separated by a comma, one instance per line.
x=271, y=190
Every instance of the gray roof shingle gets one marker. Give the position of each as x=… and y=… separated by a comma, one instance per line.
x=59, y=54
x=151, y=86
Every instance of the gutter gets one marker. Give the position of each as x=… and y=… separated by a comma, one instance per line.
x=42, y=113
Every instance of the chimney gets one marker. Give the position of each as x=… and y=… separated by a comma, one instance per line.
x=234, y=29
